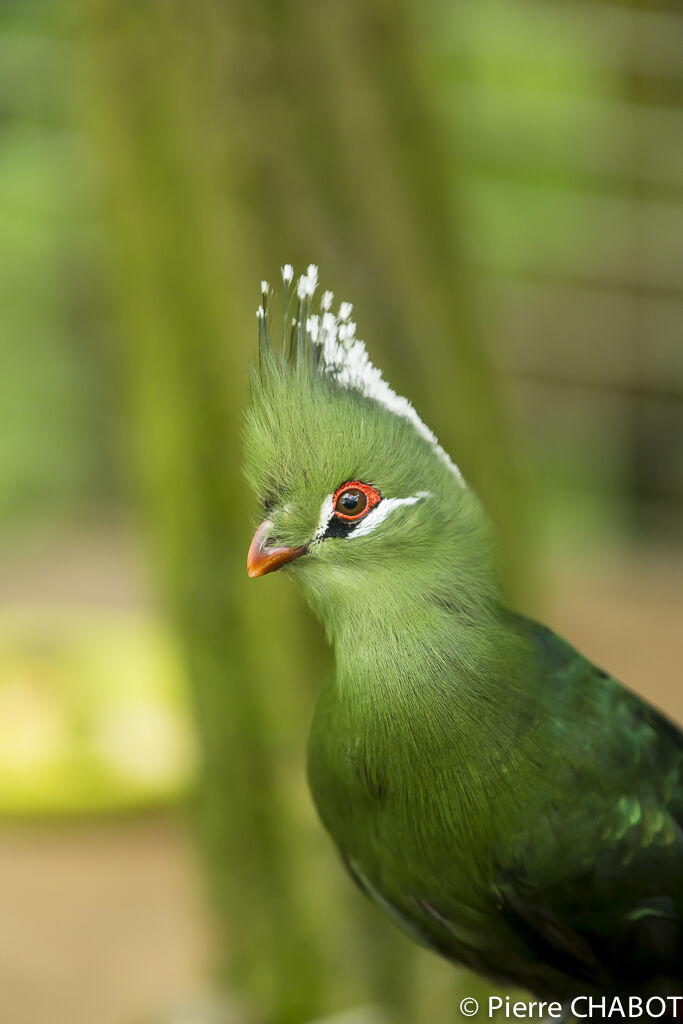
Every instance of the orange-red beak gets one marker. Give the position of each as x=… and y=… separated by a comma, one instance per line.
x=263, y=558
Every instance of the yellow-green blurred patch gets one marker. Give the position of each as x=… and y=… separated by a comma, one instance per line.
x=93, y=713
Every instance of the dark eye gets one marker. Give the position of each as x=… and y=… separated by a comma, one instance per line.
x=351, y=502
x=353, y=499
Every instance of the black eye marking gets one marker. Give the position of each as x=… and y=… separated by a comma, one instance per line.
x=338, y=528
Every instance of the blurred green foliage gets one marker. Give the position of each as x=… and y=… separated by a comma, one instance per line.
x=93, y=714
x=57, y=449
x=497, y=187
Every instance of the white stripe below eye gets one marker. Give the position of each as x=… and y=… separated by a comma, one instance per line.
x=380, y=512
x=372, y=520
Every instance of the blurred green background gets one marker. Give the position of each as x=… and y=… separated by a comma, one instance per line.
x=498, y=187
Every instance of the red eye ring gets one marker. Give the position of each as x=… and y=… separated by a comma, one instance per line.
x=370, y=498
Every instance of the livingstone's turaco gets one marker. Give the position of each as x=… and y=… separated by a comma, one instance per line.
x=510, y=805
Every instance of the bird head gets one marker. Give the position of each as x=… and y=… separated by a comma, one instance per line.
x=358, y=497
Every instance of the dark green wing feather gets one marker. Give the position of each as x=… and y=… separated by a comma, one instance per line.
x=594, y=888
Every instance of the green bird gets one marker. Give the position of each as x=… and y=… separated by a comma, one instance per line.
x=509, y=804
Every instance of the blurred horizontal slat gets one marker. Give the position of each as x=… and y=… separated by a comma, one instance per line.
x=618, y=242
x=596, y=339
x=563, y=39
x=570, y=136
x=578, y=431
x=583, y=432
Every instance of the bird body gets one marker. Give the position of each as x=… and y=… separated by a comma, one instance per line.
x=509, y=804
x=534, y=849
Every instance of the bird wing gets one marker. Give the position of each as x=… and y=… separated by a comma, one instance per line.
x=594, y=886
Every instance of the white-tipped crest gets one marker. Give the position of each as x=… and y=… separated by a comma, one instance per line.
x=311, y=279
x=313, y=328
x=307, y=283
x=344, y=358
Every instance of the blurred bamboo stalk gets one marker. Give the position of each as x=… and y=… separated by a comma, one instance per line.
x=232, y=137
x=176, y=278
